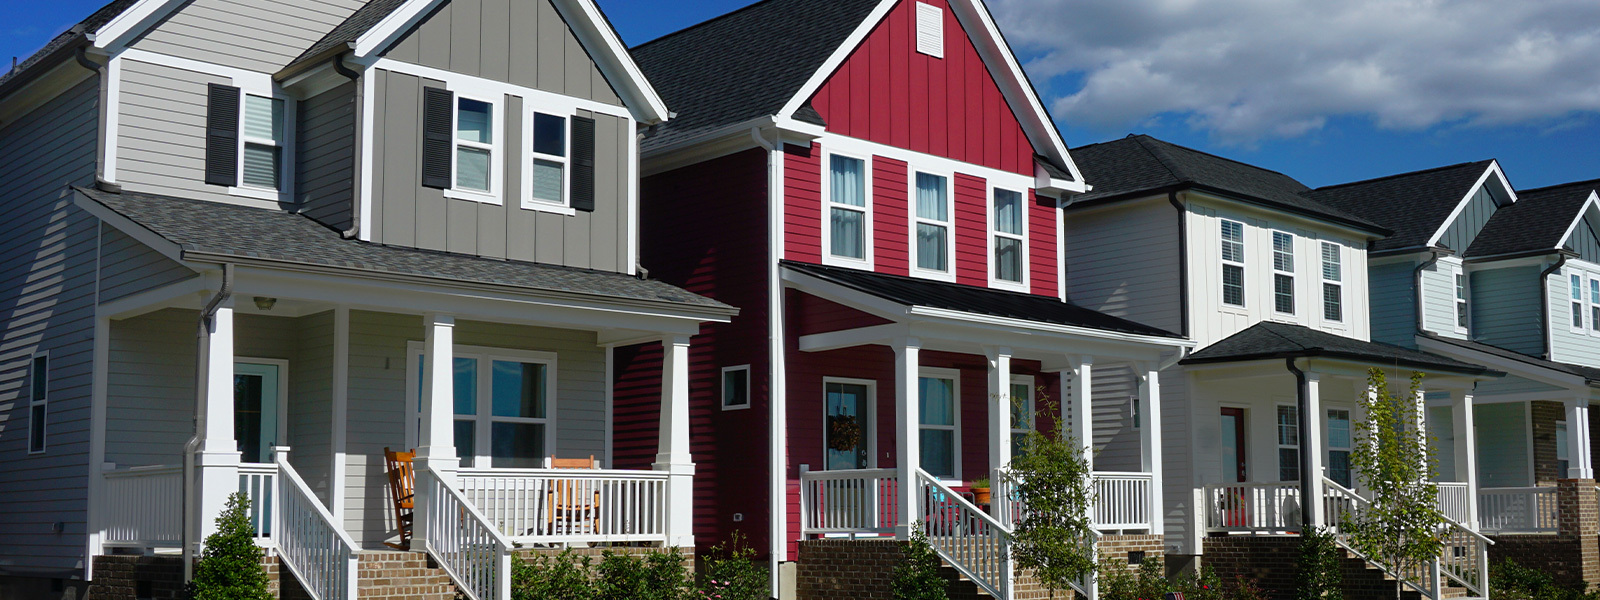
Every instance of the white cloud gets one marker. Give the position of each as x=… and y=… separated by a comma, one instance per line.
x=1251, y=69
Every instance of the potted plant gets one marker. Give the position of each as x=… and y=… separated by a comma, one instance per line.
x=980, y=490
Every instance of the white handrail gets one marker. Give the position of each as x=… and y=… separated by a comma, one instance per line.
x=974, y=543
x=1463, y=557
x=1253, y=507
x=854, y=501
x=1122, y=500
x=570, y=505
x=464, y=542
x=311, y=543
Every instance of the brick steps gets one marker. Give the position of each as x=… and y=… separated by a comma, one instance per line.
x=401, y=575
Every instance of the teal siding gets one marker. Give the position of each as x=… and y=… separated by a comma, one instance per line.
x=1465, y=228
x=1503, y=445
x=1505, y=309
x=1511, y=384
x=1393, y=301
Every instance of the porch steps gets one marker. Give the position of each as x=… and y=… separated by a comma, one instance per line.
x=392, y=575
x=1363, y=579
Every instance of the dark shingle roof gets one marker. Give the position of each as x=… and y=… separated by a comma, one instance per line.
x=1590, y=375
x=1536, y=221
x=965, y=298
x=1140, y=164
x=346, y=33
x=94, y=22
x=1268, y=340
x=252, y=233
x=1415, y=205
x=745, y=64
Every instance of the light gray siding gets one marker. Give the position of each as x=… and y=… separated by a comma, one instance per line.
x=1470, y=222
x=161, y=138
x=326, y=157
x=1125, y=262
x=310, y=418
x=1116, y=442
x=259, y=35
x=1566, y=344
x=1178, y=460
x=1442, y=437
x=150, y=391
x=1505, y=309
x=1503, y=445
x=1393, y=301
x=524, y=43
x=128, y=267
x=1584, y=240
x=1439, y=299
x=407, y=214
x=47, y=288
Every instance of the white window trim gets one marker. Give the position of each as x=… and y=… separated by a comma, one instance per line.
x=1460, y=296
x=286, y=148
x=1244, y=271
x=949, y=274
x=1563, y=448
x=828, y=257
x=722, y=391
x=34, y=402
x=1338, y=250
x=481, y=453
x=955, y=376
x=1594, y=304
x=1277, y=436
x=1294, y=282
x=1033, y=418
x=1581, y=325
x=872, y=417
x=527, y=201
x=991, y=264
x=497, y=147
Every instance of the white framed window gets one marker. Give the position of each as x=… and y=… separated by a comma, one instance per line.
x=850, y=417
x=932, y=230
x=1575, y=290
x=1283, y=272
x=38, y=401
x=1232, y=263
x=736, y=387
x=939, y=422
x=1023, y=412
x=1288, y=442
x=478, y=163
x=1332, y=283
x=1136, y=412
x=1594, y=305
x=547, y=177
x=1339, y=444
x=1463, y=313
x=1563, y=453
x=930, y=30
x=847, y=210
x=261, y=143
x=504, y=405
x=1008, y=239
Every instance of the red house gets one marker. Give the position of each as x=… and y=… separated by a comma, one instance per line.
x=877, y=186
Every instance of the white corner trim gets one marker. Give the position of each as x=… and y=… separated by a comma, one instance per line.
x=1593, y=203
x=1461, y=205
x=368, y=90
x=113, y=110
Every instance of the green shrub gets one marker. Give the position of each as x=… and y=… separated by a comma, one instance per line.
x=917, y=576
x=732, y=573
x=1512, y=581
x=1246, y=589
x=1203, y=586
x=1319, y=573
x=546, y=577
x=657, y=576
x=1148, y=581
x=230, y=567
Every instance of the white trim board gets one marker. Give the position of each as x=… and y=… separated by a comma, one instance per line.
x=1590, y=205
x=1461, y=205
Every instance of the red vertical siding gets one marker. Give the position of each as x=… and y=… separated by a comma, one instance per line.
x=890, y=228
x=970, y=195
x=802, y=184
x=1042, y=216
x=889, y=93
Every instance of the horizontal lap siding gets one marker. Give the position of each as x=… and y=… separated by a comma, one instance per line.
x=128, y=267
x=310, y=415
x=47, y=288
x=161, y=132
x=1505, y=309
x=258, y=35
x=1394, y=303
x=971, y=236
x=802, y=183
x=377, y=404
x=1042, y=243
x=1566, y=345
x=1125, y=262
x=890, y=205
x=1439, y=299
x=1116, y=441
x=325, y=186
x=887, y=92
x=151, y=388
x=819, y=316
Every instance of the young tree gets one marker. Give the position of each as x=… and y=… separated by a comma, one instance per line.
x=1402, y=528
x=917, y=576
x=230, y=567
x=1051, y=478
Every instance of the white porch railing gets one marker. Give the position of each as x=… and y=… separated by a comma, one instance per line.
x=464, y=541
x=570, y=505
x=143, y=507
x=310, y=541
x=973, y=542
x=259, y=483
x=1464, y=558
x=1518, y=510
x=856, y=501
x=1253, y=507
x=1455, y=501
x=1122, y=501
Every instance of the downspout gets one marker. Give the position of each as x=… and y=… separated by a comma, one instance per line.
x=191, y=528
x=1544, y=304
x=1183, y=262
x=1303, y=409
x=776, y=396
x=355, y=191
x=1416, y=281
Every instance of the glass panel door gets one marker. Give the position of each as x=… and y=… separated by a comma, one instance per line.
x=1234, y=454
x=847, y=427
x=256, y=396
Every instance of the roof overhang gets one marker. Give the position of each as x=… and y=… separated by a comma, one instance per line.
x=754, y=133
x=1327, y=366
x=117, y=33
x=1348, y=359
x=1368, y=231
x=1527, y=369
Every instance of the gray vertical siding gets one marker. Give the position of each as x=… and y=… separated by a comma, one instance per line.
x=525, y=43
x=407, y=214
x=1393, y=302
x=1503, y=445
x=128, y=267
x=1584, y=240
x=326, y=157
x=47, y=287
x=1465, y=228
x=1505, y=309
x=161, y=139
x=1125, y=262
x=259, y=35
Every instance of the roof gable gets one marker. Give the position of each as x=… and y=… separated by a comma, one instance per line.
x=1419, y=206
x=1542, y=220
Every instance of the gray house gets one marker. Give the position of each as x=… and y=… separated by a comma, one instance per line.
x=252, y=245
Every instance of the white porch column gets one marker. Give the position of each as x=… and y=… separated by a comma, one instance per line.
x=1579, y=463
x=217, y=459
x=1081, y=405
x=436, y=448
x=999, y=409
x=1150, y=444
x=1466, y=449
x=672, y=455
x=1313, y=447
x=908, y=450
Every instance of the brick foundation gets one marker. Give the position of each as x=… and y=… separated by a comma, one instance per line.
x=123, y=577
x=1572, y=554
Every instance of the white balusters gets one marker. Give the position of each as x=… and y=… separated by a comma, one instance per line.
x=973, y=542
x=1518, y=510
x=465, y=542
x=856, y=501
x=1253, y=507
x=259, y=483
x=310, y=541
x=1122, y=501
x=142, y=507
x=570, y=505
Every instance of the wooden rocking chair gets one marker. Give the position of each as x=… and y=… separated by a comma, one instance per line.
x=569, y=504
x=402, y=487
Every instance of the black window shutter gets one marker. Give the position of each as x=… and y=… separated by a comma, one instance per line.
x=438, y=108
x=222, y=135
x=583, y=164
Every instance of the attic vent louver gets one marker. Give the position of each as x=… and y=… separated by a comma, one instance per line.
x=930, y=30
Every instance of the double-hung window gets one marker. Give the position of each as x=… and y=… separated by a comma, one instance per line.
x=1009, y=237
x=937, y=424
x=1339, y=444
x=848, y=240
x=38, y=401
x=475, y=145
x=247, y=141
x=1022, y=412
x=1462, y=311
x=1575, y=288
x=1288, y=443
x=931, y=236
x=548, y=183
x=1594, y=305
x=1232, y=263
x=1283, y=272
x=261, y=146
x=1563, y=452
x=1332, y=283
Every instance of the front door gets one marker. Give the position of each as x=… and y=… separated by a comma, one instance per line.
x=1234, y=454
x=845, y=433
x=257, y=395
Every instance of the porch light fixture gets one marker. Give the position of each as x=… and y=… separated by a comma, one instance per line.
x=264, y=303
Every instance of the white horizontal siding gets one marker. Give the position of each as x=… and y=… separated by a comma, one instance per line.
x=1439, y=298
x=1124, y=261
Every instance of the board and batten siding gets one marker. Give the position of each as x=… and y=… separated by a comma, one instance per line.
x=161, y=134
x=47, y=288
x=1504, y=445
x=1439, y=298
x=258, y=35
x=406, y=214
x=520, y=42
x=1505, y=309
x=1393, y=302
x=326, y=157
x=1125, y=261
x=1465, y=228
x=128, y=267
x=1585, y=240
x=1567, y=345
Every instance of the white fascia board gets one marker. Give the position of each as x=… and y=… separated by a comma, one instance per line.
x=838, y=57
x=127, y=226
x=740, y=133
x=1590, y=206
x=1492, y=172
x=1071, y=330
x=392, y=27
x=133, y=22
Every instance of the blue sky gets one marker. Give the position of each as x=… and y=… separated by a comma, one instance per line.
x=1325, y=92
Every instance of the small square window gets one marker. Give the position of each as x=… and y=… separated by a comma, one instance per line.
x=736, y=387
